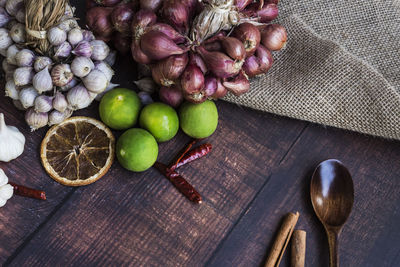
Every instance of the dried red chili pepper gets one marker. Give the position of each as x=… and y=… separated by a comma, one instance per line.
x=179, y=182
x=192, y=155
x=28, y=192
x=185, y=150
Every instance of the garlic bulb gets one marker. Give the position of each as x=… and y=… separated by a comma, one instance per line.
x=75, y=36
x=6, y=190
x=5, y=38
x=145, y=98
x=12, y=141
x=83, y=49
x=42, y=81
x=81, y=66
x=78, y=97
x=68, y=24
x=24, y=58
x=23, y=76
x=61, y=74
x=11, y=90
x=111, y=58
x=12, y=50
x=4, y=17
x=21, y=15
x=60, y=102
x=105, y=68
x=36, y=120
x=43, y=103
x=57, y=117
x=96, y=81
x=12, y=6
x=69, y=85
x=147, y=85
x=27, y=97
x=7, y=67
x=62, y=51
x=17, y=33
x=100, y=50
x=56, y=36
x=41, y=63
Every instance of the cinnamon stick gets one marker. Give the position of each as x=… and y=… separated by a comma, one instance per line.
x=24, y=191
x=282, y=240
x=298, y=254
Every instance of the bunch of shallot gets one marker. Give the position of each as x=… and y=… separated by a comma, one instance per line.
x=197, y=50
x=68, y=77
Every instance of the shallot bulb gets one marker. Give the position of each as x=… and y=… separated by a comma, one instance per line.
x=221, y=90
x=166, y=71
x=192, y=82
x=249, y=35
x=242, y=4
x=169, y=31
x=121, y=17
x=143, y=18
x=172, y=95
x=196, y=60
x=274, y=37
x=234, y=48
x=99, y=21
x=138, y=54
x=259, y=63
x=177, y=15
x=152, y=5
x=220, y=64
x=157, y=46
x=108, y=2
x=266, y=14
x=210, y=85
x=238, y=85
x=122, y=43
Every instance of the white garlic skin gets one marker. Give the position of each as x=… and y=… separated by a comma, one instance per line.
x=12, y=6
x=27, y=97
x=78, y=98
x=42, y=81
x=25, y=58
x=43, y=103
x=81, y=66
x=96, y=81
x=36, y=120
x=56, y=36
x=41, y=63
x=105, y=68
x=23, y=76
x=61, y=74
x=12, y=141
x=5, y=39
x=17, y=33
x=11, y=90
x=12, y=50
x=60, y=102
x=100, y=50
x=75, y=36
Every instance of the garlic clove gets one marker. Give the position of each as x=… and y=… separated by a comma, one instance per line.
x=23, y=76
x=43, y=103
x=41, y=63
x=12, y=90
x=75, y=36
x=81, y=66
x=25, y=58
x=96, y=81
x=27, y=97
x=78, y=97
x=17, y=33
x=36, y=120
x=56, y=36
x=105, y=68
x=42, y=81
x=60, y=102
x=5, y=39
x=12, y=141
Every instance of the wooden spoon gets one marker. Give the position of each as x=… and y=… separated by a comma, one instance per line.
x=332, y=196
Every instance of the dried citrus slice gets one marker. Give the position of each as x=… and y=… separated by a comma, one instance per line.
x=79, y=151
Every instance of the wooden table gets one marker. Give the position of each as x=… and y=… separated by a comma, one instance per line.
x=259, y=170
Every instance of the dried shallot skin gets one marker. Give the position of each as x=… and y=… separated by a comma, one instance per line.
x=216, y=16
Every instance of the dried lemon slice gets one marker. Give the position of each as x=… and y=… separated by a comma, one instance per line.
x=78, y=151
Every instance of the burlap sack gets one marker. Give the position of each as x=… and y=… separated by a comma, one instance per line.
x=341, y=66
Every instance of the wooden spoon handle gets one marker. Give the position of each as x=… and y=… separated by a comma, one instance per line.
x=333, y=239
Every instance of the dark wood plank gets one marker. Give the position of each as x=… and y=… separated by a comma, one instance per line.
x=370, y=237
x=140, y=219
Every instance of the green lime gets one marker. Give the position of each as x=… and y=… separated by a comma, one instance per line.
x=137, y=150
x=160, y=120
x=199, y=120
x=119, y=108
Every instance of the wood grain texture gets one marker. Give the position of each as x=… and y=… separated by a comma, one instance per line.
x=369, y=238
x=140, y=219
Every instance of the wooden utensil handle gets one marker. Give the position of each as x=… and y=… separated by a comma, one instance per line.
x=333, y=239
